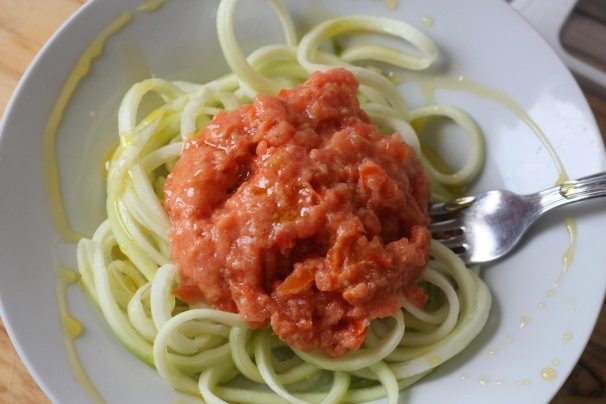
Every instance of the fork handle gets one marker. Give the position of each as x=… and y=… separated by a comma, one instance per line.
x=592, y=186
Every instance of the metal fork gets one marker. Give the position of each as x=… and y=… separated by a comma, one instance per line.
x=485, y=227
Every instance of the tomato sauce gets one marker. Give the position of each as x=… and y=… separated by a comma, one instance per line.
x=295, y=211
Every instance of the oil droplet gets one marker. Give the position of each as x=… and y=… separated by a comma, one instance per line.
x=541, y=305
x=71, y=326
x=525, y=320
x=525, y=382
x=427, y=21
x=569, y=190
x=435, y=360
x=500, y=382
x=555, y=362
x=464, y=376
x=498, y=348
x=484, y=380
x=151, y=5
x=567, y=337
x=552, y=292
x=548, y=374
x=573, y=305
x=391, y=4
x=571, y=228
x=68, y=276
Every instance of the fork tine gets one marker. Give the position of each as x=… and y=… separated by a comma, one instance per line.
x=450, y=207
x=456, y=242
x=448, y=225
x=438, y=209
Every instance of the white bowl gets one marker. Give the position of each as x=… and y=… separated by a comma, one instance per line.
x=542, y=316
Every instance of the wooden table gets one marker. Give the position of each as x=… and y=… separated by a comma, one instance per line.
x=25, y=25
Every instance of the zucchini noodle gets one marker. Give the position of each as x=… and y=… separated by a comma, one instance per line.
x=126, y=267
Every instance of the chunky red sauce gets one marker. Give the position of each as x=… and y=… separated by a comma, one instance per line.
x=295, y=211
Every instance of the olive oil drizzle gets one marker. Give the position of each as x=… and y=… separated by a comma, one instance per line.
x=72, y=329
x=79, y=71
x=484, y=91
x=151, y=5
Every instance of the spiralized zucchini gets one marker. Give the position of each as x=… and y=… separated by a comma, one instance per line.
x=127, y=270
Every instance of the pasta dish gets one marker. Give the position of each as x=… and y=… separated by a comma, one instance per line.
x=266, y=236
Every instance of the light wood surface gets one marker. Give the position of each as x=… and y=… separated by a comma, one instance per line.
x=25, y=25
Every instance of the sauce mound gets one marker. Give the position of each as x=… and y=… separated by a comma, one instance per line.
x=296, y=211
